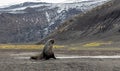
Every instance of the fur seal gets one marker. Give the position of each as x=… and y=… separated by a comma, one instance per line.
x=47, y=52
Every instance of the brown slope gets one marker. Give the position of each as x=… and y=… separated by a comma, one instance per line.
x=101, y=23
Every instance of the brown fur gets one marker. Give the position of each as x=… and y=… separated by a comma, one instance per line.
x=47, y=52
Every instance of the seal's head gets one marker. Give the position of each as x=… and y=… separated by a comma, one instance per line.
x=51, y=41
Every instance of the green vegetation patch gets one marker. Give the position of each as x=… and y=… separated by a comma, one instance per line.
x=11, y=46
x=96, y=44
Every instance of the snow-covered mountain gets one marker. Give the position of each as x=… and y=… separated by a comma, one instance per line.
x=31, y=21
x=6, y=3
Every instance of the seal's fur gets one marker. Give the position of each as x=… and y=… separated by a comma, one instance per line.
x=47, y=52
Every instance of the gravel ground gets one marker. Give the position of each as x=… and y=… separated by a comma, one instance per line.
x=19, y=61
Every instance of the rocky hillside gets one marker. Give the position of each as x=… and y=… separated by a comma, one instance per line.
x=32, y=21
x=101, y=23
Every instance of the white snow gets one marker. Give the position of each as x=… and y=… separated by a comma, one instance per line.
x=76, y=57
x=71, y=1
x=27, y=55
x=46, y=31
x=65, y=6
x=24, y=7
x=12, y=2
x=51, y=23
x=7, y=3
x=48, y=17
x=82, y=5
x=92, y=57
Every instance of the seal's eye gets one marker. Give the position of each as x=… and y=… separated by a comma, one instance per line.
x=52, y=41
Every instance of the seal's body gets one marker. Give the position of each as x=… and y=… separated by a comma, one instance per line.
x=47, y=52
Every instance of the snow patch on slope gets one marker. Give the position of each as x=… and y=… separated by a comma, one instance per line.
x=48, y=17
